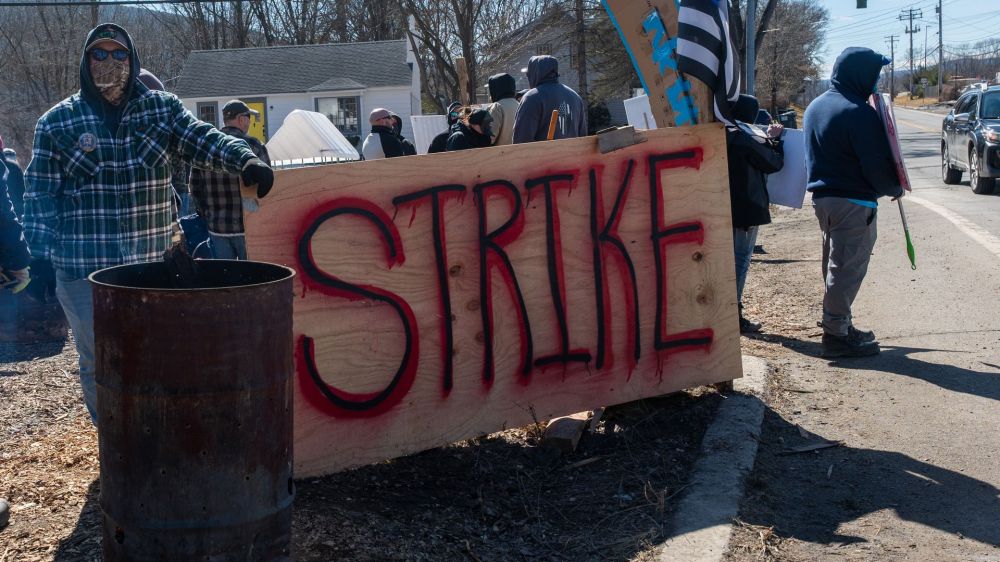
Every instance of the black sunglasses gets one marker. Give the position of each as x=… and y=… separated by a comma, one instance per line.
x=100, y=54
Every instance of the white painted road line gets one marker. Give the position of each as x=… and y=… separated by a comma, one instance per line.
x=970, y=229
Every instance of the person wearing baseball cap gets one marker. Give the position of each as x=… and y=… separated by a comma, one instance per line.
x=235, y=108
x=476, y=131
x=382, y=142
x=217, y=194
x=98, y=188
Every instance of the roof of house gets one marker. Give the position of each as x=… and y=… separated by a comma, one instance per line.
x=294, y=69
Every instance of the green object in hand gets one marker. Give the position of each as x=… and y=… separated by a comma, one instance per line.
x=910, y=252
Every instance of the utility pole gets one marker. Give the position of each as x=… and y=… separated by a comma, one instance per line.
x=940, y=54
x=751, y=33
x=911, y=14
x=924, y=66
x=892, y=66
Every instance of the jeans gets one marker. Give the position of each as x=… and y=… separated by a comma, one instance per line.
x=229, y=247
x=743, y=242
x=78, y=303
x=184, y=204
x=849, y=233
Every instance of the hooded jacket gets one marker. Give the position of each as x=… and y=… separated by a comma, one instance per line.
x=397, y=129
x=13, y=249
x=463, y=137
x=440, y=141
x=750, y=157
x=546, y=94
x=99, y=196
x=503, y=88
x=111, y=114
x=15, y=184
x=847, y=150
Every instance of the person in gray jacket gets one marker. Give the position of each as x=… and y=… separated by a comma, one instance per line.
x=503, y=88
x=546, y=94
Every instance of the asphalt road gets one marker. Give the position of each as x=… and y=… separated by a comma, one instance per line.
x=917, y=474
x=920, y=137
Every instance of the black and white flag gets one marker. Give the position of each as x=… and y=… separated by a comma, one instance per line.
x=706, y=51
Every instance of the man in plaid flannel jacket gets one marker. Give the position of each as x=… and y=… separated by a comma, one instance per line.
x=98, y=190
x=217, y=194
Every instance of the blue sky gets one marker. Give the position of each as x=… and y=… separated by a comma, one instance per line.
x=964, y=21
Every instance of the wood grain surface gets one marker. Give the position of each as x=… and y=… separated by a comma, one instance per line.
x=372, y=341
x=648, y=28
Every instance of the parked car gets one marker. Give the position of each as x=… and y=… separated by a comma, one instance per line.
x=970, y=140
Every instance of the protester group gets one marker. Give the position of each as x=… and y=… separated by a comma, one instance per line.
x=117, y=166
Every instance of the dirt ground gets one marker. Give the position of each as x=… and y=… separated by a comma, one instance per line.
x=860, y=498
x=499, y=497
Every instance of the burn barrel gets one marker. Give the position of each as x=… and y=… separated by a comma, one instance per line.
x=194, y=411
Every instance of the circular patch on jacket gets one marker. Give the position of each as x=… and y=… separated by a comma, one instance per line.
x=87, y=142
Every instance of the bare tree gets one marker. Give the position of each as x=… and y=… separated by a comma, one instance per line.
x=480, y=31
x=791, y=53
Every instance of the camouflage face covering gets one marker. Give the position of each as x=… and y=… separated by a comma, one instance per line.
x=110, y=77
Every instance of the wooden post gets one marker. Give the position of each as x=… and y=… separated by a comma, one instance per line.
x=648, y=29
x=463, y=80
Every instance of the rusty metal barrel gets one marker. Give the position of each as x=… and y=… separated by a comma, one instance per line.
x=194, y=411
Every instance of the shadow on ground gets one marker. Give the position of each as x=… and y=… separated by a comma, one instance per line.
x=84, y=543
x=499, y=497
x=20, y=352
x=898, y=360
x=794, y=494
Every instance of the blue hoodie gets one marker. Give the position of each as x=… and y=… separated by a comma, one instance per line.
x=533, y=115
x=847, y=150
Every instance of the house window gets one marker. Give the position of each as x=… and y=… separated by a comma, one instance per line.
x=208, y=112
x=342, y=112
x=543, y=49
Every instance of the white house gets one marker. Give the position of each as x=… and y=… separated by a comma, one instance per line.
x=343, y=81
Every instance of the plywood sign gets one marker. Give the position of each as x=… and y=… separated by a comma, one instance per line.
x=648, y=29
x=452, y=295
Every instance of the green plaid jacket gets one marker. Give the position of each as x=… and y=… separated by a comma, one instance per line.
x=94, y=200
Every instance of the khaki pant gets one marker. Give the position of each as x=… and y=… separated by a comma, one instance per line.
x=849, y=233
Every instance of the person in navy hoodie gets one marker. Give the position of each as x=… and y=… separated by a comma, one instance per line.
x=850, y=166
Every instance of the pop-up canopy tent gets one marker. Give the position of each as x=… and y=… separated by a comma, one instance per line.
x=307, y=137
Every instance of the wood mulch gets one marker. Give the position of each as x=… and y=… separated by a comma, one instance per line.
x=496, y=497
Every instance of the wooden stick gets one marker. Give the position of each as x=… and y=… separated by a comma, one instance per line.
x=463, y=80
x=552, y=124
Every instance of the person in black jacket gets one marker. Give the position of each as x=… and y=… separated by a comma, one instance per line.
x=382, y=142
x=440, y=142
x=474, y=132
x=397, y=129
x=752, y=154
x=15, y=181
x=14, y=256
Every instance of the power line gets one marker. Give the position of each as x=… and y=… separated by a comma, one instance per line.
x=90, y=3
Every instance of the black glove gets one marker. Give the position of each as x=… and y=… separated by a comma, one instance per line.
x=43, y=281
x=259, y=174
